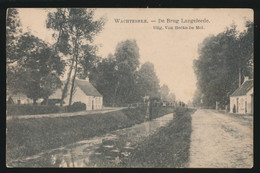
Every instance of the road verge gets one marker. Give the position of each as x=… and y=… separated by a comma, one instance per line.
x=26, y=137
x=169, y=147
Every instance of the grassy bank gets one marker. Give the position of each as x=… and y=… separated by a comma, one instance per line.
x=27, y=137
x=167, y=148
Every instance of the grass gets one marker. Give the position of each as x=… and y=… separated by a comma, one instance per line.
x=169, y=147
x=26, y=137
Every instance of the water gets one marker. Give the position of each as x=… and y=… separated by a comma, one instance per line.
x=109, y=150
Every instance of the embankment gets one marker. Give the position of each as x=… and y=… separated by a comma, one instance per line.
x=169, y=147
x=26, y=137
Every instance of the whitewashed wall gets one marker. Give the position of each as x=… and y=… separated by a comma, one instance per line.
x=80, y=96
x=241, y=102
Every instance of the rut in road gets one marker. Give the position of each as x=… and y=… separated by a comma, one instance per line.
x=220, y=141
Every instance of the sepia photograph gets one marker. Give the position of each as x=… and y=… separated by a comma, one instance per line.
x=129, y=88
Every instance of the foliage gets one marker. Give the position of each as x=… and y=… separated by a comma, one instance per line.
x=36, y=72
x=127, y=61
x=147, y=81
x=76, y=106
x=221, y=59
x=168, y=147
x=171, y=98
x=13, y=31
x=127, y=56
x=121, y=81
x=105, y=79
x=116, y=75
x=76, y=29
x=164, y=90
x=88, y=62
x=30, y=136
x=31, y=109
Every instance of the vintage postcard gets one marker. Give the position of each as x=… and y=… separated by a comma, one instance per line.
x=129, y=88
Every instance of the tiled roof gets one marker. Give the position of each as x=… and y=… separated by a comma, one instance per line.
x=84, y=85
x=243, y=89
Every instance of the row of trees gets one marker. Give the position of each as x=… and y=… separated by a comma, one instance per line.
x=122, y=80
x=223, y=62
x=34, y=67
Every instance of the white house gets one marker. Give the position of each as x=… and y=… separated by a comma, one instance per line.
x=84, y=92
x=241, y=101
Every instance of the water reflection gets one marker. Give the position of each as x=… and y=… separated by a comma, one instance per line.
x=105, y=151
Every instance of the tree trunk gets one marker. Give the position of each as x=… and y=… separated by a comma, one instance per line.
x=65, y=89
x=115, y=94
x=76, y=68
x=73, y=81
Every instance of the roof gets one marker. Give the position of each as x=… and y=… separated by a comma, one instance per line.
x=84, y=85
x=87, y=87
x=243, y=89
x=12, y=94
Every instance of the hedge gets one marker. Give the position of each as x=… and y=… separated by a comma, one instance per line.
x=27, y=137
x=31, y=109
x=76, y=106
x=43, y=109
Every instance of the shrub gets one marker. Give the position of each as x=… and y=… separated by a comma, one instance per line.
x=76, y=106
x=31, y=109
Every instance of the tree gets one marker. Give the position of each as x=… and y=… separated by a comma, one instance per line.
x=147, y=81
x=76, y=29
x=13, y=31
x=37, y=71
x=88, y=62
x=164, y=90
x=222, y=59
x=105, y=79
x=116, y=76
x=196, y=100
x=246, y=47
x=171, y=98
x=127, y=61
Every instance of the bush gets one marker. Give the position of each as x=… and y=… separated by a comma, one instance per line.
x=31, y=109
x=76, y=106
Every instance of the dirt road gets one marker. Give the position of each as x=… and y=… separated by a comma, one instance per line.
x=205, y=139
x=219, y=140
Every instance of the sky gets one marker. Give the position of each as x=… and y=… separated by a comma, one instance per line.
x=172, y=51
